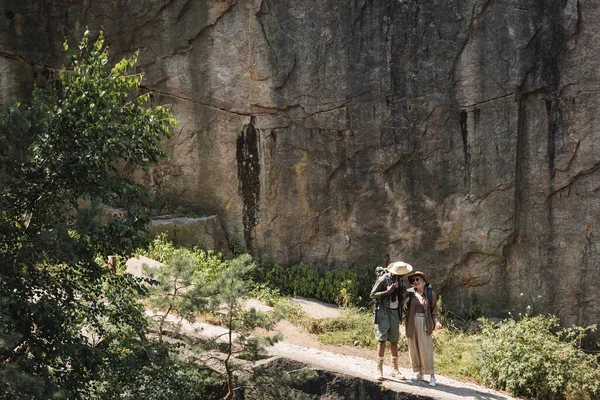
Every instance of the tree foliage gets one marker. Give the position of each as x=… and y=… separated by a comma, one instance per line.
x=191, y=281
x=227, y=293
x=69, y=328
x=61, y=146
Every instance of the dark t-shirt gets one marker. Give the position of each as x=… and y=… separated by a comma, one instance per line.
x=419, y=306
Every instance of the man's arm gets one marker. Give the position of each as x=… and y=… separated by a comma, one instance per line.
x=378, y=291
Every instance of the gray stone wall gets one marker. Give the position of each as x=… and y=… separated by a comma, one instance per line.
x=459, y=136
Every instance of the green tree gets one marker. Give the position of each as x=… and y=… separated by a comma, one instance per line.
x=192, y=281
x=228, y=293
x=61, y=146
x=173, y=292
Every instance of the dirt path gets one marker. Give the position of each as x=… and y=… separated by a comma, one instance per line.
x=350, y=361
x=296, y=336
x=446, y=389
x=302, y=346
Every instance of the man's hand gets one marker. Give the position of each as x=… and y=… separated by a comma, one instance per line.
x=390, y=289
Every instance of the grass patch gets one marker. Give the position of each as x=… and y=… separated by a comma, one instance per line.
x=353, y=328
x=283, y=308
x=353, y=337
x=455, y=354
x=455, y=351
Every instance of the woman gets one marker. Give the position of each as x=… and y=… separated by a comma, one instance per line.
x=421, y=320
x=388, y=293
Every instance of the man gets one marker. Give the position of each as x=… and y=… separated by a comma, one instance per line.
x=388, y=293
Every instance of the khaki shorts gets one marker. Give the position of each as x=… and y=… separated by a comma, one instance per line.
x=387, y=327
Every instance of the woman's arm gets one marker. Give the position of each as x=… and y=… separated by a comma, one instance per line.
x=434, y=311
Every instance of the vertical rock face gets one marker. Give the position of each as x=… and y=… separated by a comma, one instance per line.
x=460, y=136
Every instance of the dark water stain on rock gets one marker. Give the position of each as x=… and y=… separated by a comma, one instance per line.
x=248, y=163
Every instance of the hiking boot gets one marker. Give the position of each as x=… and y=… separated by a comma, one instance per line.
x=432, y=381
x=417, y=377
x=379, y=373
x=395, y=371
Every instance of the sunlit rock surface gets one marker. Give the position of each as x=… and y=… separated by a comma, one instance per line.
x=459, y=136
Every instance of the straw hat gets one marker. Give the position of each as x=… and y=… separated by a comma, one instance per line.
x=399, y=268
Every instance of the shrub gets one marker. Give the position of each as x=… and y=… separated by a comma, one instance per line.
x=304, y=279
x=533, y=358
x=284, y=309
x=340, y=286
x=266, y=294
x=207, y=263
x=160, y=249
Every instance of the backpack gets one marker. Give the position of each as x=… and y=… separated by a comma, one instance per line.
x=379, y=272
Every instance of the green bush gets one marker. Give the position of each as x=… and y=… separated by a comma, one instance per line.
x=340, y=286
x=160, y=249
x=266, y=294
x=304, y=279
x=533, y=358
x=284, y=309
x=208, y=263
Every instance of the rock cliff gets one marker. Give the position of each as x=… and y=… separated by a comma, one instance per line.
x=459, y=136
